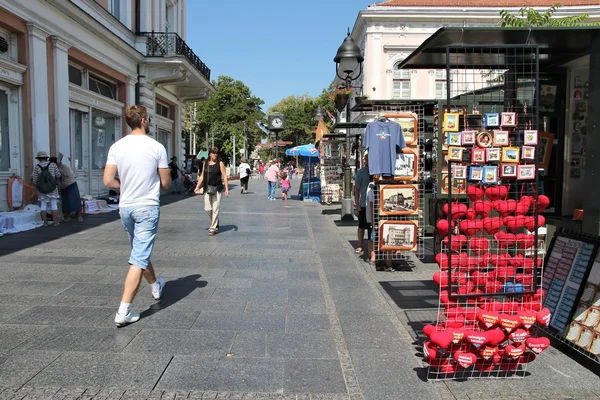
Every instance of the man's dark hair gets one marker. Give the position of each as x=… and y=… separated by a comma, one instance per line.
x=134, y=115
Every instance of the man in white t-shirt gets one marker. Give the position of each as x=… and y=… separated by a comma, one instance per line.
x=142, y=166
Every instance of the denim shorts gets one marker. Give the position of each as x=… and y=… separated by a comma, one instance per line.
x=141, y=224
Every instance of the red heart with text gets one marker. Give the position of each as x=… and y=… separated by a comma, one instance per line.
x=512, y=351
x=496, y=192
x=488, y=352
x=482, y=208
x=465, y=360
x=492, y=224
x=527, y=318
x=509, y=322
x=519, y=335
x=488, y=318
x=537, y=345
x=476, y=338
x=543, y=317
x=474, y=193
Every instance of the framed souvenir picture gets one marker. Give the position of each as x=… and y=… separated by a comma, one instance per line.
x=510, y=154
x=459, y=186
x=397, y=235
x=490, y=174
x=399, y=200
x=545, y=151
x=484, y=139
x=477, y=155
x=455, y=153
x=530, y=138
x=444, y=140
x=526, y=172
x=508, y=170
x=492, y=120
x=459, y=172
x=476, y=173
x=508, y=119
x=451, y=122
x=409, y=124
x=454, y=138
x=528, y=153
x=468, y=137
x=493, y=154
x=501, y=138
x=445, y=161
x=407, y=164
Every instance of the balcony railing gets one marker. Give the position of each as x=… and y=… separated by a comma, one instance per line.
x=170, y=44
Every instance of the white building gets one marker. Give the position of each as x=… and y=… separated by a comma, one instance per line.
x=69, y=67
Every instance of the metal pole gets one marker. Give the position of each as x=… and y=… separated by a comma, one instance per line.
x=276, y=144
x=347, y=214
x=234, y=164
x=245, y=142
x=193, y=134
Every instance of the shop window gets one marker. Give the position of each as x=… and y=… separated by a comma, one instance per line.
x=75, y=75
x=103, y=87
x=76, y=126
x=104, y=127
x=4, y=134
x=441, y=84
x=163, y=110
x=401, y=88
x=115, y=8
x=163, y=138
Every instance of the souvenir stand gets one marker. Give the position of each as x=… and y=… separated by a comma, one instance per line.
x=332, y=173
x=310, y=187
x=490, y=255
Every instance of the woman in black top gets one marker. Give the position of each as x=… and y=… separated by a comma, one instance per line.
x=212, y=180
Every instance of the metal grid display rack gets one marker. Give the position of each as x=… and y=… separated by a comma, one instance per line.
x=490, y=274
x=380, y=219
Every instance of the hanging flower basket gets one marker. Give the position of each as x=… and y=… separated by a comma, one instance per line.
x=341, y=99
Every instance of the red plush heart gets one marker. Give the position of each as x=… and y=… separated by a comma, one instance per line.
x=518, y=260
x=495, y=336
x=514, y=223
x=543, y=317
x=527, y=200
x=525, y=241
x=500, y=260
x=458, y=241
x=537, y=345
x=504, y=274
x=471, y=214
x=510, y=306
x=496, y=192
x=482, y=208
x=441, y=278
x=530, y=224
x=492, y=224
x=430, y=351
x=533, y=305
x=542, y=202
x=509, y=322
x=519, y=335
x=476, y=338
x=479, y=278
x=488, y=318
x=493, y=286
x=459, y=334
x=469, y=227
x=466, y=288
x=525, y=279
x=507, y=207
x=488, y=352
x=512, y=351
x=455, y=323
x=458, y=210
x=504, y=239
x=469, y=263
x=479, y=244
x=527, y=358
x=465, y=360
x=491, y=305
x=522, y=208
x=445, y=298
x=474, y=192
x=443, y=227
x=442, y=339
x=427, y=329
x=442, y=261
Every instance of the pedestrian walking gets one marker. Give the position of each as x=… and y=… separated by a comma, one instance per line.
x=245, y=172
x=361, y=182
x=272, y=175
x=175, y=181
x=261, y=170
x=285, y=186
x=45, y=178
x=211, y=183
x=142, y=165
x=69, y=192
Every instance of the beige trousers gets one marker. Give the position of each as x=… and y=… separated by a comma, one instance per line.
x=212, y=205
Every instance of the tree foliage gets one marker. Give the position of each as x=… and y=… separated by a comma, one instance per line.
x=529, y=17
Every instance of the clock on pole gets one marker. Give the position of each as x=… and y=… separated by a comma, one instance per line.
x=276, y=122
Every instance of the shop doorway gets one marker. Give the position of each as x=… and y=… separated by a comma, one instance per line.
x=164, y=138
x=79, y=123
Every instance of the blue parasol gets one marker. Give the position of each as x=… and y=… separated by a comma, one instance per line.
x=306, y=150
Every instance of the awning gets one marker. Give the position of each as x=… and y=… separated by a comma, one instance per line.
x=557, y=46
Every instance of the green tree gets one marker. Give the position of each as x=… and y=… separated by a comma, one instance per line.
x=530, y=17
x=231, y=111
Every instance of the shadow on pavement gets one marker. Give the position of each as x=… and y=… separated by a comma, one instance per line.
x=174, y=291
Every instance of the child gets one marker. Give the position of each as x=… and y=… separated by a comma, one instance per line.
x=285, y=185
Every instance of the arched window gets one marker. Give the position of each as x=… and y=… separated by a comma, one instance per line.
x=401, y=83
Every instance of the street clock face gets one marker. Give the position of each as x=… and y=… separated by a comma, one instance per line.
x=277, y=122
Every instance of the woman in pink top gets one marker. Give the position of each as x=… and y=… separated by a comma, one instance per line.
x=285, y=186
x=272, y=175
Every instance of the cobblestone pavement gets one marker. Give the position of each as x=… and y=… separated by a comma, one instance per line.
x=276, y=306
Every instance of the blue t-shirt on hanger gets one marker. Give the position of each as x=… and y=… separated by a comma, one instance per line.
x=382, y=138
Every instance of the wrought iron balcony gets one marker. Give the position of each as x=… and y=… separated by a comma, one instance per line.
x=170, y=44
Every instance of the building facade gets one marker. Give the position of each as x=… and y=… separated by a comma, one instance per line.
x=68, y=68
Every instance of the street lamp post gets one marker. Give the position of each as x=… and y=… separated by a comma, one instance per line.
x=346, y=60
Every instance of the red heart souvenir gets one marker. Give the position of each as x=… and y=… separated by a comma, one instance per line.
x=458, y=210
x=537, y=345
x=488, y=318
x=527, y=358
x=479, y=278
x=533, y=305
x=488, y=352
x=509, y=322
x=514, y=223
x=474, y=192
x=495, y=336
x=500, y=260
x=527, y=200
x=479, y=244
x=527, y=318
x=466, y=288
x=442, y=261
x=525, y=241
x=471, y=214
x=482, y=208
x=522, y=208
x=454, y=323
x=459, y=334
x=504, y=239
x=430, y=351
x=496, y=192
x=454, y=312
x=507, y=207
x=460, y=278
x=519, y=335
x=427, y=329
x=441, y=278
x=445, y=298
x=543, y=317
x=485, y=366
x=465, y=360
x=530, y=224
x=512, y=351
x=504, y=274
x=476, y=338
x=518, y=260
x=458, y=241
x=442, y=339
x=471, y=227
x=491, y=305
x=525, y=279
x=492, y=224
x=542, y=202
x=493, y=286
x=469, y=263
x=443, y=227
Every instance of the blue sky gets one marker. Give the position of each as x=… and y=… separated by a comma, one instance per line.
x=277, y=48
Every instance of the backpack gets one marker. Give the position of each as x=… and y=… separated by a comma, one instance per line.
x=174, y=172
x=45, y=182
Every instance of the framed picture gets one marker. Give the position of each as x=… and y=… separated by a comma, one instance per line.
x=397, y=235
x=477, y=155
x=508, y=170
x=455, y=153
x=530, y=138
x=510, y=154
x=546, y=140
x=526, y=172
x=468, y=137
x=454, y=138
x=492, y=120
x=407, y=164
x=528, y=153
x=451, y=122
x=501, y=138
x=409, y=124
x=484, y=139
x=444, y=140
x=399, y=200
x=459, y=186
x=445, y=161
x=476, y=173
x=459, y=172
x=508, y=119
x=490, y=174
x=493, y=154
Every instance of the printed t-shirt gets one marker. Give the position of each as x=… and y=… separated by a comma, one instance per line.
x=242, y=170
x=362, y=179
x=382, y=139
x=138, y=158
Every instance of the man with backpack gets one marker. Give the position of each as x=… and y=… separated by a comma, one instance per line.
x=45, y=178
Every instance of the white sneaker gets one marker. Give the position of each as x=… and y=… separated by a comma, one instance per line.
x=122, y=320
x=157, y=293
